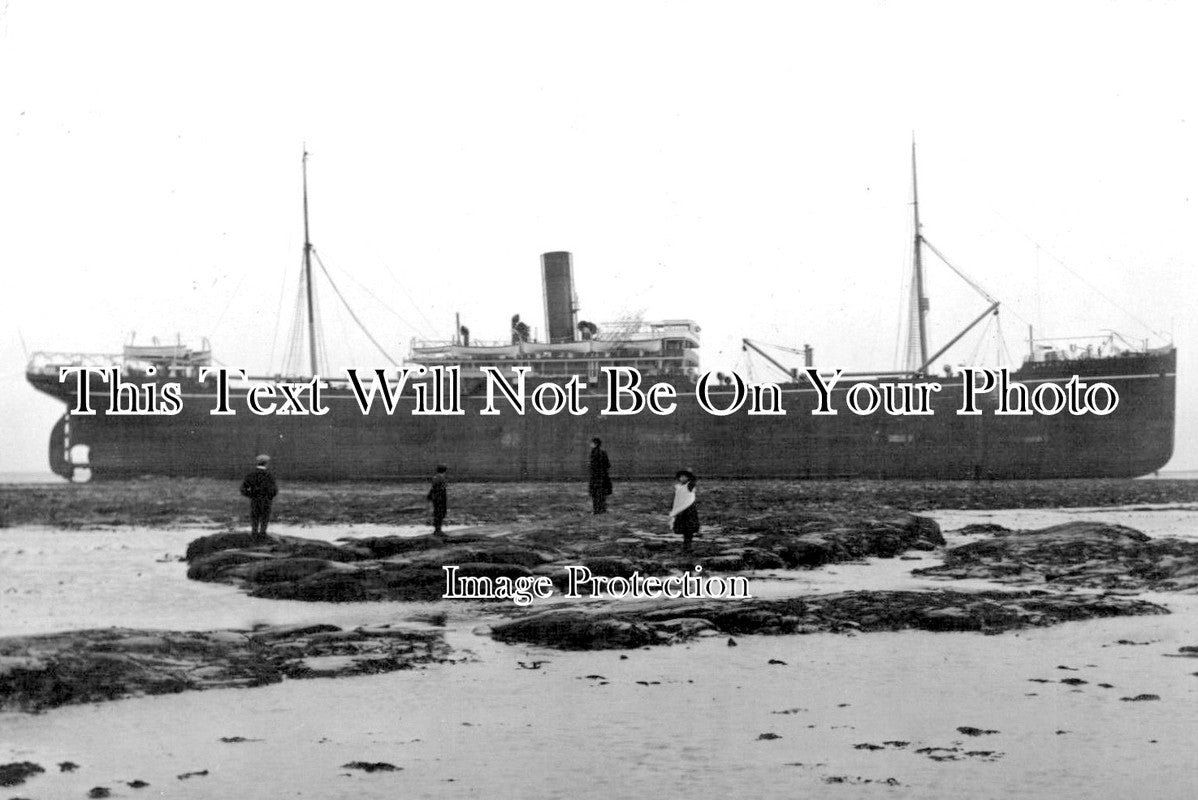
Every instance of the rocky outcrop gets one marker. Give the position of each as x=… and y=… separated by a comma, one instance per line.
x=1076, y=554
x=409, y=568
x=38, y=672
x=614, y=627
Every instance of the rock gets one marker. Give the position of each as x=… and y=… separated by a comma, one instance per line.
x=15, y=773
x=214, y=566
x=611, y=566
x=371, y=766
x=723, y=563
x=91, y=666
x=948, y=619
x=485, y=551
x=971, y=731
x=1085, y=554
x=234, y=638
x=298, y=547
x=796, y=551
x=100, y=791
x=283, y=569
x=292, y=631
x=186, y=775
x=638, y=625
x=20, y=664
x=570, y=629
x=216, y=542
x=136, y=643
x=409, y=568
x=329, y=586
x=483, y=569
x=981, y=529
x=387, y=546
x=136, y=784
x=685, y=627
x=767, y=736
x=1141, y=698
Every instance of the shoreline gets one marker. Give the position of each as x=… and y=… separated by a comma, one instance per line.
x=216, y=504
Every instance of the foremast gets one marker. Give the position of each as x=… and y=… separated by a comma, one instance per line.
x=308, y=274
x=918, y=359
x=919, y=301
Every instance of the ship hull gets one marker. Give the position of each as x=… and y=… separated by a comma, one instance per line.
x=1135, y=439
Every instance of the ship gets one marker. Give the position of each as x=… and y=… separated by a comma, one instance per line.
x=1134, y=439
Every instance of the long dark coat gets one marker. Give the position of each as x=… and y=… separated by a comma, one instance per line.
x=600, y=467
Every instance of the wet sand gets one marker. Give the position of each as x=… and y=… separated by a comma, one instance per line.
x=854, y=715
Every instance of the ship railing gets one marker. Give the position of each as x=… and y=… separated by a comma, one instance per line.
x=618, y=331
x=445, y=344
x=1078, y=348
x=44, y=363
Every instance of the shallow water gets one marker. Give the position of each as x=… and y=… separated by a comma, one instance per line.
x=496, y=729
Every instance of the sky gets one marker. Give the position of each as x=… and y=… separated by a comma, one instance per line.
x=746, y=165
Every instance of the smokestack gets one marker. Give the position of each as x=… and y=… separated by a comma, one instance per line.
x=557, y=273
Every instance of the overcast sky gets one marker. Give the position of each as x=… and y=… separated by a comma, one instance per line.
x=745, y=165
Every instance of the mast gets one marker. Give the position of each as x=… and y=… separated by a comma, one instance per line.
x=308, y=272
x=921, y=302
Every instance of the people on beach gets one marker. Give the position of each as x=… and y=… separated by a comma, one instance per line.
x=438, y=495
x=684, y=515
x=259, y=486
x=599, y=485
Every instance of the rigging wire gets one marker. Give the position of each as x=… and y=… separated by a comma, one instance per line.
x=295, y=333
x=973, y=284
x=233, y=296
x=1070, y=270
x=322, y=360
x=431, y=327
x=278, y=319
x=423, y=332
x=351, y=352
x=784, y=347
x=351, y=311
x=981, y=340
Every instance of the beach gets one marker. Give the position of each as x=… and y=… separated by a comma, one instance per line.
x=1030, y=712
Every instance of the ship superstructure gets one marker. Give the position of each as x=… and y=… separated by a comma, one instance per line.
x=665, y=348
